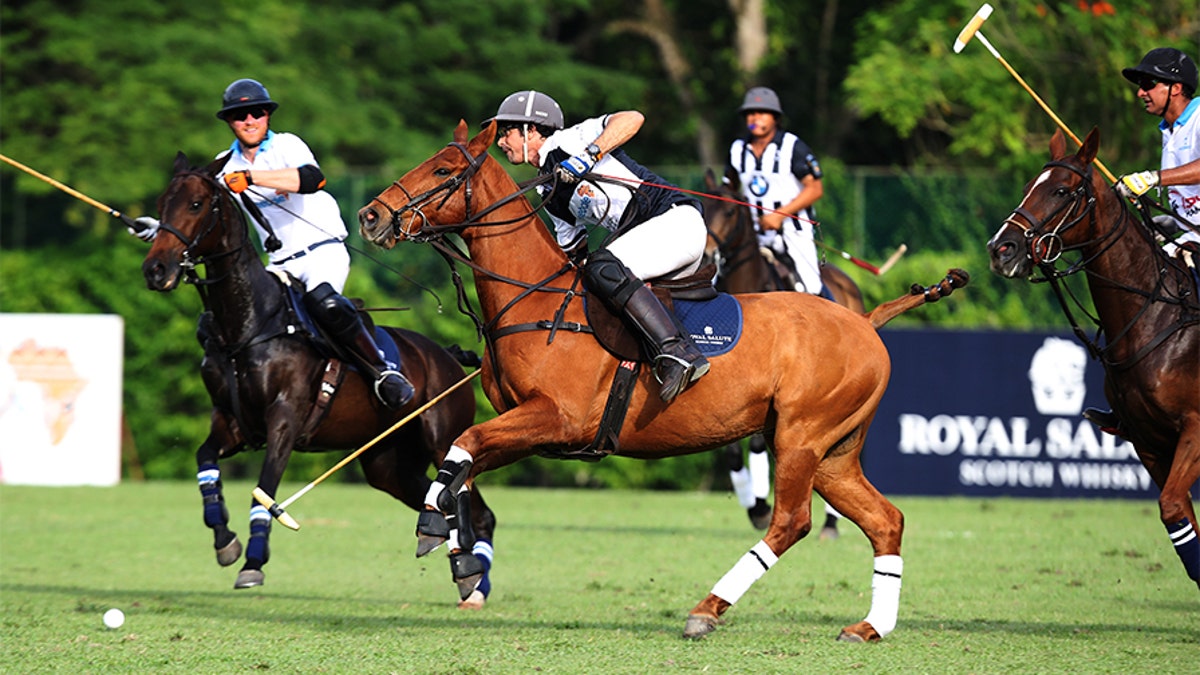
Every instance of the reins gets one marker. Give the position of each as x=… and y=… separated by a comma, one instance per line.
x=1046, y=248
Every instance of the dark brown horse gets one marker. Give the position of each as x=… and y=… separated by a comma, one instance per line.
x=743, y=267
x=1147, y=312
x=265, y=374
x=808, y=372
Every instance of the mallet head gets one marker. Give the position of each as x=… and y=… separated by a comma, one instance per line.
x=972, y=27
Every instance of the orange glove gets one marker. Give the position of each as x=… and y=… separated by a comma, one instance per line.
x=238, y=181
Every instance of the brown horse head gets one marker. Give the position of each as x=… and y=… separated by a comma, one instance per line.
x=409, y=208
x=1057, y=214
x=190, y=224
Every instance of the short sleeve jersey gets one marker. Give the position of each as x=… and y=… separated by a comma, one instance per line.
x=299, y=220
x=631, y=194
x=1180, y=145
x=770, y=181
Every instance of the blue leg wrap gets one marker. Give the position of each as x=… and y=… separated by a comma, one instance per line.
x=215, y=513
x=483, y=551
x=258, y=552
x=1187, y=546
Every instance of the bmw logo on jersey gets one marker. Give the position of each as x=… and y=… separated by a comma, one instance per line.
x=759, y=185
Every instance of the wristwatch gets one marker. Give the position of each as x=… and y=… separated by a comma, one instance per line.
x=594, y=152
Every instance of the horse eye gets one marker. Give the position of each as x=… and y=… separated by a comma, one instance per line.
x=195, y=206
x=441, y=172
x=1061, y=191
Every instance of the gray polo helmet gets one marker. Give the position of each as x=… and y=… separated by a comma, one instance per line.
x=761, y=98
x=529, y=107
x=1167, y=64
x=245, y=93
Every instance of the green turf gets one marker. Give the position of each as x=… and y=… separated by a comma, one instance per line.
x=585, y=582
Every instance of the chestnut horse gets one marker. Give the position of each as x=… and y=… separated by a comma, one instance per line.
x=1147, y=312
x=264, y=376
x=808, y=372
x=743, y=267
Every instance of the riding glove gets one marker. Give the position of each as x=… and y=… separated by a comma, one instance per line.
x=238, y=181
x=572, y=169
x=148, y=228
x=1135, y=185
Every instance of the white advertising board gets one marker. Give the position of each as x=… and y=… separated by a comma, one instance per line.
x=60, y=399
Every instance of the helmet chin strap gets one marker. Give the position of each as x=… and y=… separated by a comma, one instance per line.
x=525, y=142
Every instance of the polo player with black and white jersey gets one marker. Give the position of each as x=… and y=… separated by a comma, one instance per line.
x=781, y=179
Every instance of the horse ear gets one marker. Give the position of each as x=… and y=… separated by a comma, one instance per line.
x=460, y=132
x=483, y=140
x=710, y=180
x=181, y=162
x=1087, y=152
x=1058, y=145
x=217, y=164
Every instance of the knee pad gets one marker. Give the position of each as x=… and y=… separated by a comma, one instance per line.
x=608, y=278
x=331, y=309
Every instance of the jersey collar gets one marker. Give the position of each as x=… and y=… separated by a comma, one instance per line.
x=1187, y=115
x=236, y=146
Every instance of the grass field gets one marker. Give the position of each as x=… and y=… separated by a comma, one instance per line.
x=585, y=582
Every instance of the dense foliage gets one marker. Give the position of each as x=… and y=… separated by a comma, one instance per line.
x=920, y=146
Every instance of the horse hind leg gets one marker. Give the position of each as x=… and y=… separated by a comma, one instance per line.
x=840, y=480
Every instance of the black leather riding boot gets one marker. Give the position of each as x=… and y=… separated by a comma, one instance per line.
x=678, y=362
x=390, y=385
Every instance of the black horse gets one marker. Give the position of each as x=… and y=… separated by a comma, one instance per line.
x=272, y=383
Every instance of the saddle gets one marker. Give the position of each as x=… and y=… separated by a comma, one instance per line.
x=712, y=319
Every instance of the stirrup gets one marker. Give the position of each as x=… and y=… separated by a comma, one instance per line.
x=404, y=395
x=1106, y=420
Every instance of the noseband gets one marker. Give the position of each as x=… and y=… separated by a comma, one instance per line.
x=1044, y=247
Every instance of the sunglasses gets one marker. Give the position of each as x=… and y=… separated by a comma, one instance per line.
x=1148, y=83
x=239, y=114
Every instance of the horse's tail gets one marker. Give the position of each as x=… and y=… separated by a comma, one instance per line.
x=917, y=296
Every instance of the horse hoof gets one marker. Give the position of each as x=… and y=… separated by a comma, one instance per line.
x=859, y=633
x=249, y=579
x=475, y=601
x=760, y=515
x=699, y=625
x=829, y=534
x=229, y=554
x=426, y=544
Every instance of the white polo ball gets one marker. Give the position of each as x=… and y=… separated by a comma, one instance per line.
x=114, y=618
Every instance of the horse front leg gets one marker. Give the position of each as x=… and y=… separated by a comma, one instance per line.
x=280, y=438
x=1175, y=504
x=208, y=475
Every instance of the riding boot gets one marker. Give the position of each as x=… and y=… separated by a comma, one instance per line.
x=340, y=318
x=390, y=385
x=677, y=361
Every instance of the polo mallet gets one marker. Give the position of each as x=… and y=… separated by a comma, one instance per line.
x=877, y=271
x=278, y=509
x=130, y=222
x=972, y=30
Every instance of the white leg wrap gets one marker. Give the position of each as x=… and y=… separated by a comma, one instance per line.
x=748, y=570
x=830, y=511
x=456, y=454
x=759, y=464
x=885, y=593
x=452, y=540
x=741, y=487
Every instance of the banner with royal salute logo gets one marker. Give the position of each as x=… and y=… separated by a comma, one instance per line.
x=996, y=413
